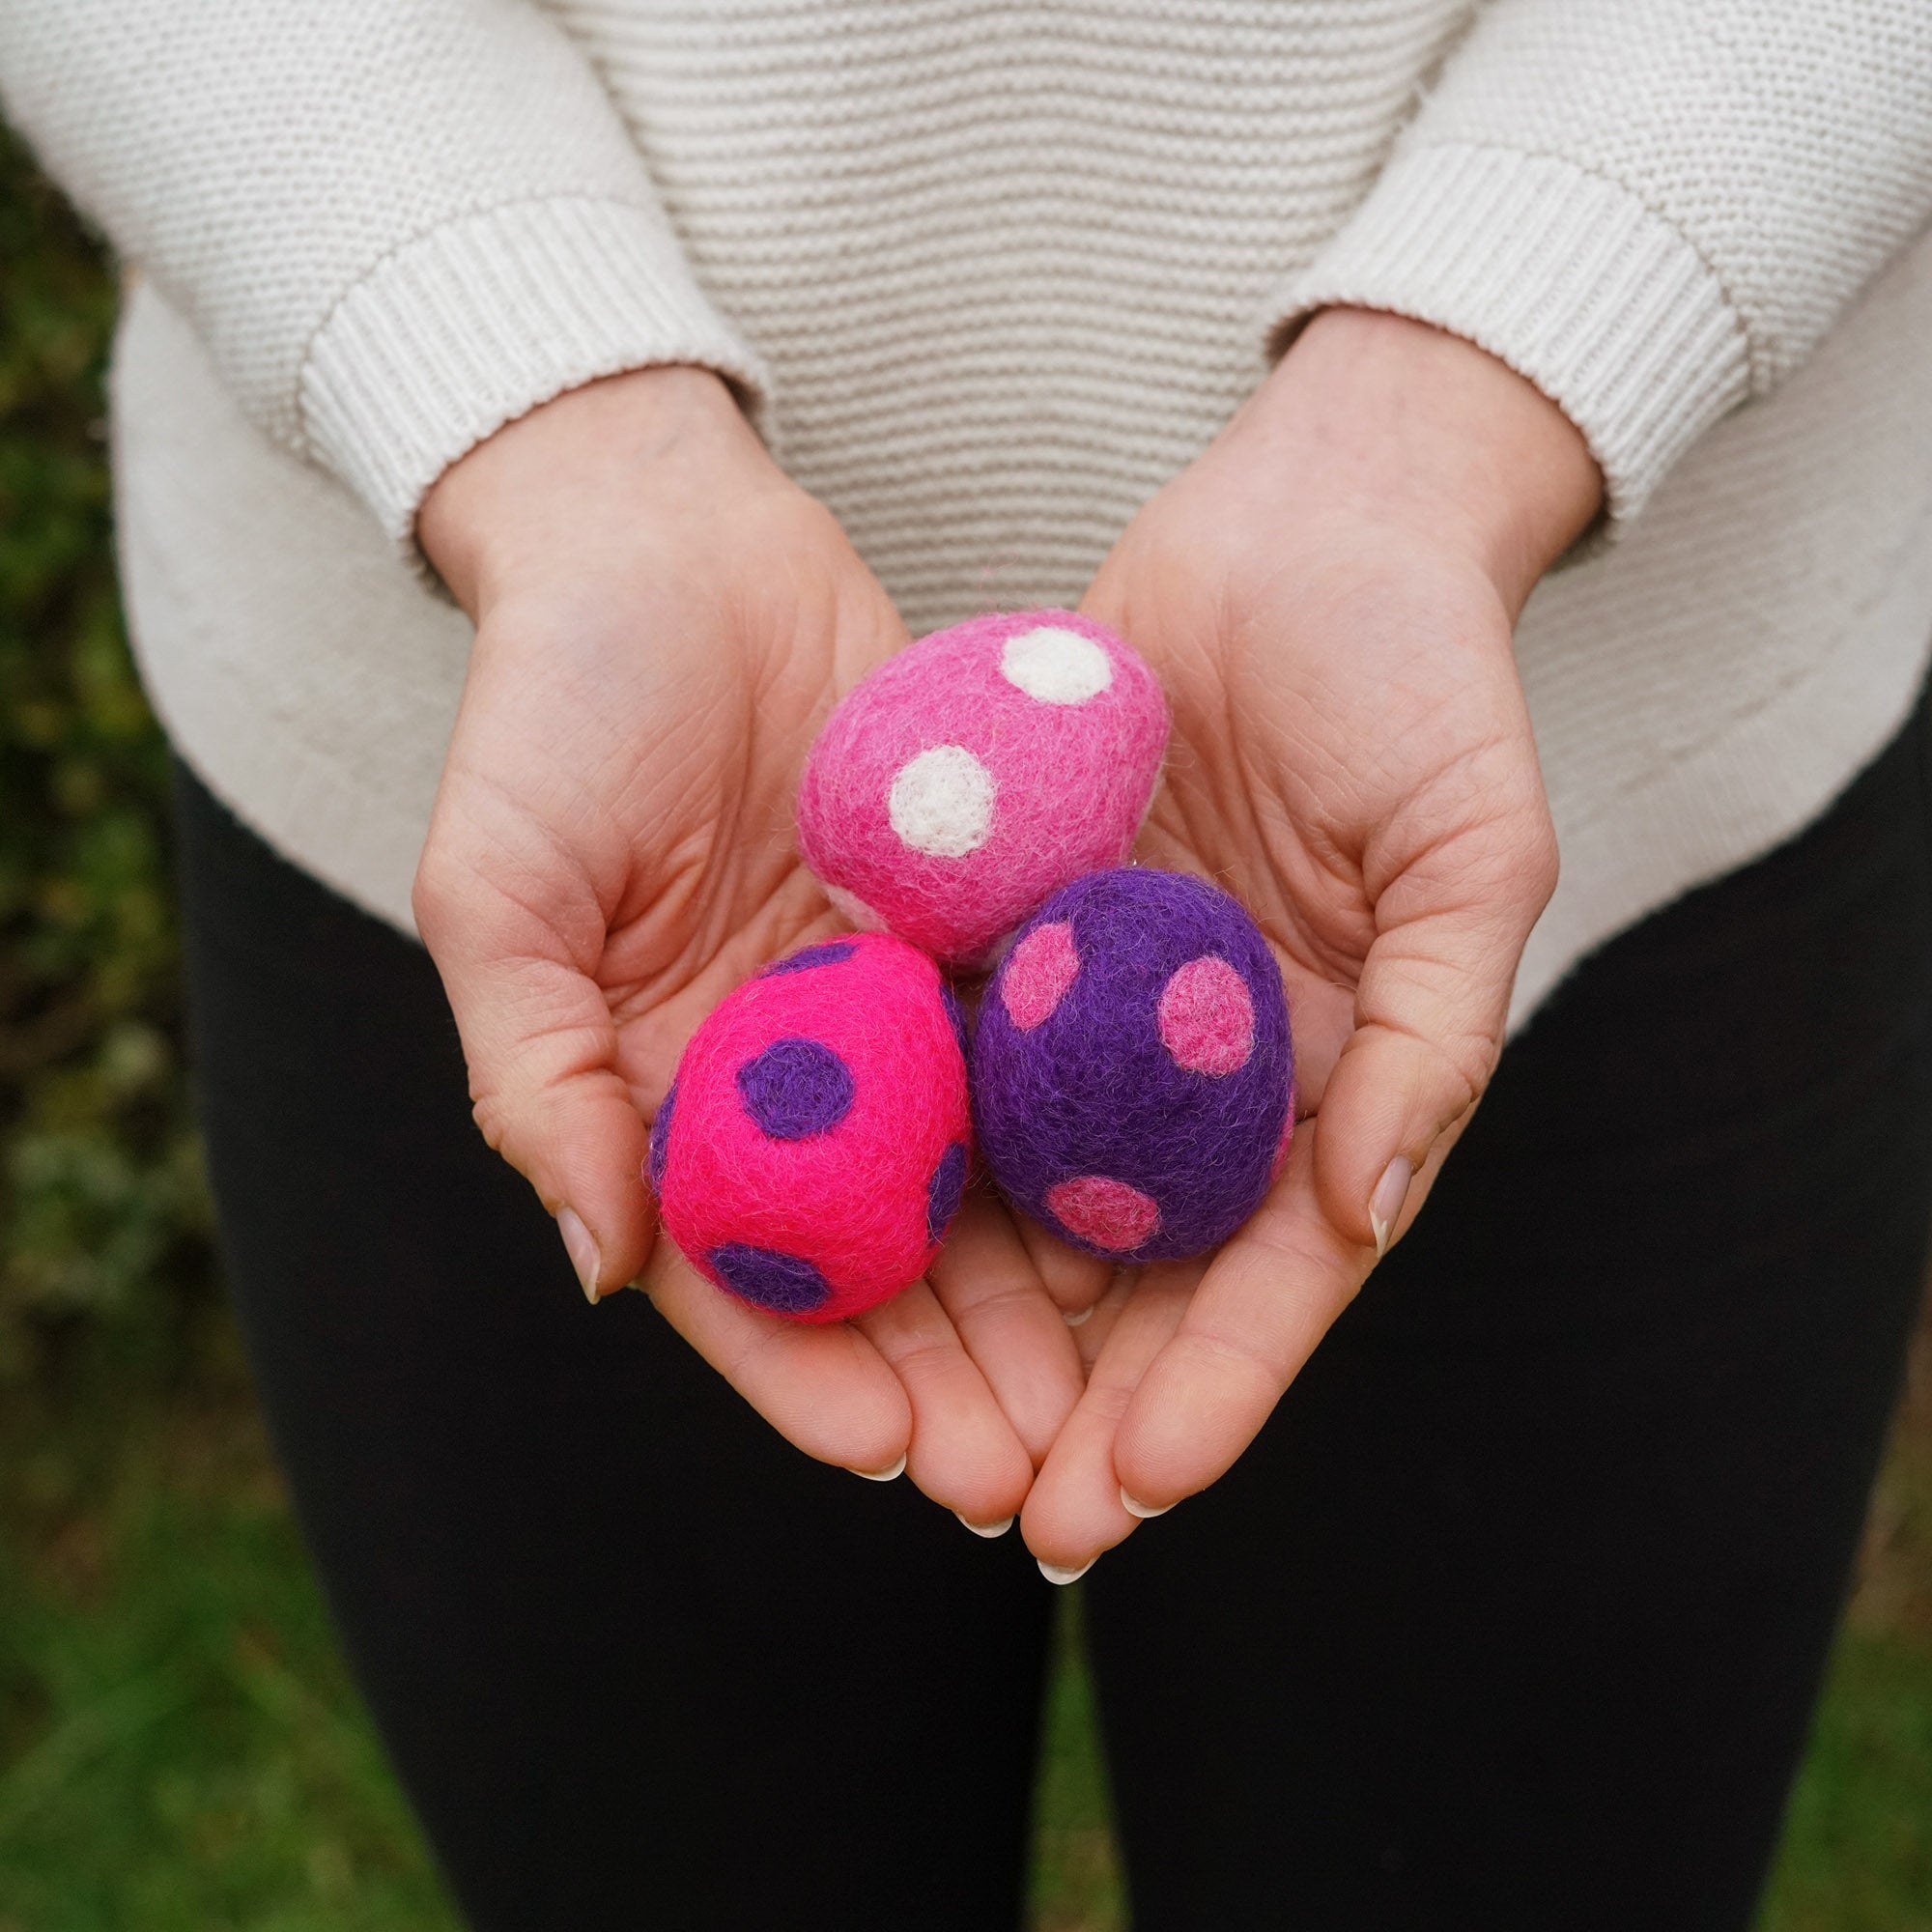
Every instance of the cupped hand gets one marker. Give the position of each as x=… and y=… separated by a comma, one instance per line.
x=662, y=621
x=1328, y=595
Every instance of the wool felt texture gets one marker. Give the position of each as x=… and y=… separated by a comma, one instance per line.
x=1132, y=1071
x=978, y=771
x=814, y=1144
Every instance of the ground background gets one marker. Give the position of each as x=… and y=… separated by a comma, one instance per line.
x=180, y=1750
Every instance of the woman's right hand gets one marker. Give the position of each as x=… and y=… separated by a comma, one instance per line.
x=662, y=621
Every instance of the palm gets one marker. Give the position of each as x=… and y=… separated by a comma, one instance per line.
x=1342, y=810
x=613, y=852
x=700, y=875
x=1352, y=759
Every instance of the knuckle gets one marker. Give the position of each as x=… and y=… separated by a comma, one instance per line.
x=986, y=1302
x=1450, y=1069
x=431, y=891
x=1266, y=1369
x=1108, y=1398
x=492, y=1120
x=923, y=1357
x=1540, y=863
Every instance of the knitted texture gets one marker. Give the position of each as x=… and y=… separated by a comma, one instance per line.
x=813, y=1145
x=1134, y=1078
x=975, y=772
x=454, y=222
x=1010, y=269
x=1649, y=252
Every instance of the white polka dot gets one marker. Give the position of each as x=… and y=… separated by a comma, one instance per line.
x=1055, y=666
x=942, y=802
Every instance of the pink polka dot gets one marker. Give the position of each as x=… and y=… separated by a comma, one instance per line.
x=1037, y=973
x=1280, y=1161
x=1109, y=1214
x=1208, y=1017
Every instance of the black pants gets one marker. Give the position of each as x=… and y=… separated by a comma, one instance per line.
x=1513, y=1617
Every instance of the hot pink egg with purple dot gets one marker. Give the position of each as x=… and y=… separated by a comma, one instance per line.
x=978, y=771
x=1134, y=1078
x=814, y=1144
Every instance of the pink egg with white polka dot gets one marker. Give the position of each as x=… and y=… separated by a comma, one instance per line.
x=976, y=773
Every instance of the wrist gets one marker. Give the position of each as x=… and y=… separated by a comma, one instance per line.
x=1410, y=426
x=534, y=493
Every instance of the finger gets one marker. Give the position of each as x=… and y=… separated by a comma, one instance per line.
x=1075, y=1509
x=823, y=1386
x=964, y=1453
x=1075, y=1281
x=1431, y=1009
x=986, y=1281
x=1264, y=1303
x=541, y=1044
x=1090, y=1336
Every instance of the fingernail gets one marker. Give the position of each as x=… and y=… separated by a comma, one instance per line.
x=1000, y=1529
x=1076, y=1315
x=883, y=1476
x=1385, y=1203
x=1056, y=1573
x=581, y=1249
x=1142, y=1510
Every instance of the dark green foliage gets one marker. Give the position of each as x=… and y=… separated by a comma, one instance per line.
x=106, y=1256
x=178, y=1743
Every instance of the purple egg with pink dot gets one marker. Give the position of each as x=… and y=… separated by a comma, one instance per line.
x=1133, y=1073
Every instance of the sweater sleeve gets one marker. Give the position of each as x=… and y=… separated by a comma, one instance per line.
x=1652, y=209
x=397, y=224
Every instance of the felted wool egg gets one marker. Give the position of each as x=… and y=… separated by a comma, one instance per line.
x=815, y=1141
x=977, y=772
x=1134, y=1078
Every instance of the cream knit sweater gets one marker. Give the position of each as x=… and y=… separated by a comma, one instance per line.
x=990, y=272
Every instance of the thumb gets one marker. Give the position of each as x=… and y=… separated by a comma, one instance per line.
x=542, y=1051
x=1431, y=1008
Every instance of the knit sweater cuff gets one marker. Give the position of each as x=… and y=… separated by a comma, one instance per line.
x=1565, y=275
x=475, y=324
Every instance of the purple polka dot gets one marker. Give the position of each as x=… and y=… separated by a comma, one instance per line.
x=827, y=953
x=660, y=1142
x=769, y=1279
x=942, y=1191
x=955, y=1015
x=796, y=1087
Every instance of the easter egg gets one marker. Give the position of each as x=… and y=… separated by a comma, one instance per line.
x=813, y=1145
x=977, y=772
x=1133, y=1073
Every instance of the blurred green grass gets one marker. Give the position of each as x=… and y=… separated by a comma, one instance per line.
x=184, y=1750
x=180, y=1745
x=1857, y=1854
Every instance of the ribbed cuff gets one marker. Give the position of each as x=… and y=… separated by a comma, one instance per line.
x=1563, y=274
x=476, y=323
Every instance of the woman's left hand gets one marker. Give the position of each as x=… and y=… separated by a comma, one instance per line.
x=1328, y=595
